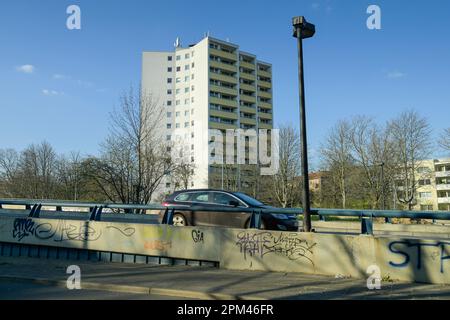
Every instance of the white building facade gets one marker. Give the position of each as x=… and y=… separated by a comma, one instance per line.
x=209, y=85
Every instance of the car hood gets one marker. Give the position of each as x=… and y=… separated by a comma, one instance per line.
x=290, y=215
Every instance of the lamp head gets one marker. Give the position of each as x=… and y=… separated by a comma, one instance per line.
x=306, y=29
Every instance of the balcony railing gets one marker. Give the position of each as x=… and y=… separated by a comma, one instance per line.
x=266, y=111
x=442, y=174
x=444, y=200
x=221, y=120
x=223, y=54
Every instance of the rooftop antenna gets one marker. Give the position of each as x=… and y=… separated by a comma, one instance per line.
x=177, y=43
x=228, y=39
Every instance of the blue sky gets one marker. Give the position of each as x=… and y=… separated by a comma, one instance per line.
x=78, y=75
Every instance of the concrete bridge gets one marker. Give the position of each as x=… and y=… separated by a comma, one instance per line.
x=410, y=253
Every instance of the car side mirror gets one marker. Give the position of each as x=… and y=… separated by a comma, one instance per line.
x=233, y=203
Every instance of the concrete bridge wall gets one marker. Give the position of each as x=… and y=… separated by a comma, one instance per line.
x=398, y=258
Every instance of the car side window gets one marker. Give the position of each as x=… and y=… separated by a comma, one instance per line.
x=182, y=197
x=200, y=197
x=222, y=198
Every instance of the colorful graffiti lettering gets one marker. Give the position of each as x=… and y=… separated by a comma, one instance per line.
x=158, y=245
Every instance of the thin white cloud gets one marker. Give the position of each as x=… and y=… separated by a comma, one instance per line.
x=47, y=92
x=86, y=84
x=396, y=75
x=322, y=7
x=81, y=83
x=26, y=68
x=58, y=76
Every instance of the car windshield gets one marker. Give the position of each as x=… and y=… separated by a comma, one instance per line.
x=249, y=200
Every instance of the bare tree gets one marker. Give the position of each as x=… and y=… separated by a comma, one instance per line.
x=38, y=172
x=230, y=177
x=286, y=183
x=70, y=176
x=182, y=174
x=134, y=157
x=9, y=168
x=337, y=157
x=224, y=176
x=329, y=194
x=410, y=136
x=373, y=152
x=35, y=177
x=444, y=141
x=257, y=185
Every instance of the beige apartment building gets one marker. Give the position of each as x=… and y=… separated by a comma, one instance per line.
x=433, y=191
x=432, y=186
x=209, y=85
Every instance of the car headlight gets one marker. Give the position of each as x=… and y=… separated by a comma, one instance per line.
x=280, y=216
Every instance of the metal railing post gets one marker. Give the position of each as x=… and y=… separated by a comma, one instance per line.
x=258, y=224
x=255, y=222
x=98, y=214
x=31, y=213
x=35, y=211
x=164, y=219
x=93, y=212
x=168, y=216
x=366, y=226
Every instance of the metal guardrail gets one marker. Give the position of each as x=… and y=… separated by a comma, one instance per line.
x=96, y=210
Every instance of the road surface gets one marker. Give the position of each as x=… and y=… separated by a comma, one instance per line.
x=17, y=290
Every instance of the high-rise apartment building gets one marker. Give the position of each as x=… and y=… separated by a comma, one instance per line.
x=209, y=85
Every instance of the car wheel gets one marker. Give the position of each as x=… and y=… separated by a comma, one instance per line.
x=179, y=220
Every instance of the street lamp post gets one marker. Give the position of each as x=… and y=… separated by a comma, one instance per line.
x=303, y=30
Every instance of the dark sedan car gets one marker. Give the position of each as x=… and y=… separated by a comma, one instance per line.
x=223, y=199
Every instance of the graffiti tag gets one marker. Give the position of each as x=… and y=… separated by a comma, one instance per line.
x=23, y=227
x=197, y=236
x=127, y=232
x=263, y=243
x=404, y=248
x=63, y=230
